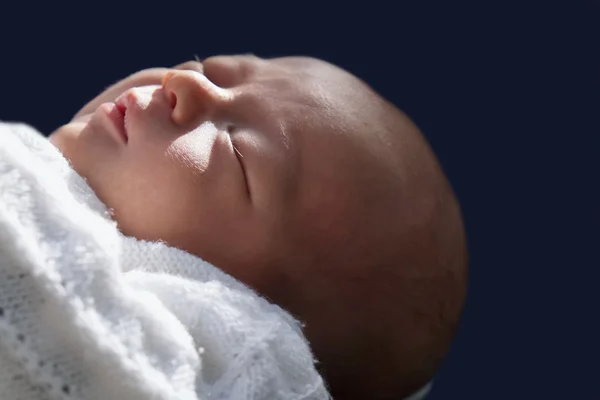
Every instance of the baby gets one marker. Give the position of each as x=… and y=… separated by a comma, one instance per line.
x=296, y=178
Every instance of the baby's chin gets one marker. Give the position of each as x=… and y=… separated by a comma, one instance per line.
x=66, y=134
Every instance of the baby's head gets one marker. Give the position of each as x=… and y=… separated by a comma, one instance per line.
x=295, y=177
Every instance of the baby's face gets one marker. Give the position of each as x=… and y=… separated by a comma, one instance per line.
x=233, y=159
x=296, y=178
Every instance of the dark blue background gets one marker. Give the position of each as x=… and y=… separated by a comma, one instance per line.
x=506, y=94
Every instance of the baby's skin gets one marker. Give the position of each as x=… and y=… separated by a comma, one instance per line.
x=298, y=179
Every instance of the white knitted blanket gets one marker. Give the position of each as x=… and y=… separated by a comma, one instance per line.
x=86, y=313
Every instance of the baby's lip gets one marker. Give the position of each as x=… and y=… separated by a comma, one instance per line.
x=123, y=103
x=125, y=99
x=114, y=115
x=123, y=127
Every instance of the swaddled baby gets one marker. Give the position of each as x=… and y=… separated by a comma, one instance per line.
x=296, y=178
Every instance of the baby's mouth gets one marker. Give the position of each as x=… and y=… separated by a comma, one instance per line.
x=121, y=105
x=123, y=111
x=114, y=115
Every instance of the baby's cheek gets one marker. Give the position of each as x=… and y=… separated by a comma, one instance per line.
x=190, y=194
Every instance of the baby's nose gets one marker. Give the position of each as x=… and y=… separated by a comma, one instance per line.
x=193, y=96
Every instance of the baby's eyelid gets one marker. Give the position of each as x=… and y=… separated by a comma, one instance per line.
x=240, y=158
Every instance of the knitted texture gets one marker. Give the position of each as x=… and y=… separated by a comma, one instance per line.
x=87, y=313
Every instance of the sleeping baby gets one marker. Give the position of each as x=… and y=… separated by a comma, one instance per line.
x=295, y=178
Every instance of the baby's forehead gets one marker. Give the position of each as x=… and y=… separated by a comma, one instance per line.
x=301, y=62
x=290, y=77
x=294, y=66
x=315, y=68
